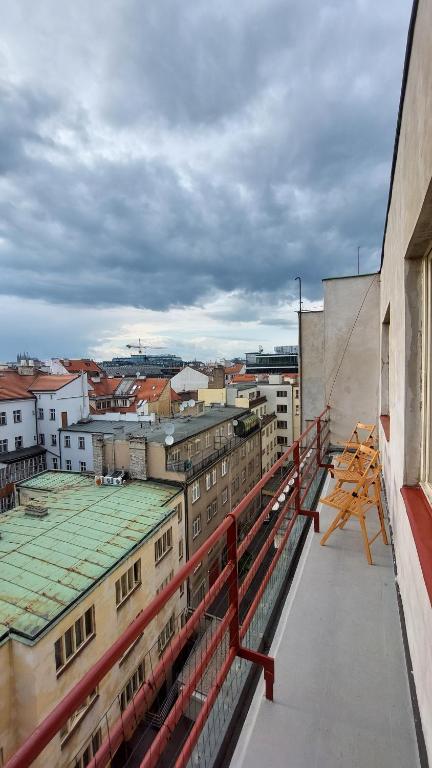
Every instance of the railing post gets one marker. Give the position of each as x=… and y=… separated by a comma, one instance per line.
x=233, y=590
x=318, y=429
x=296, y=456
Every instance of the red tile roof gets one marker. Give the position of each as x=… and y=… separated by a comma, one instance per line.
x=234, y=368
x=242, y=377
x=76, y=366
x=14, y=386
x=51, y=383
x=105, y=387
x=150, y=389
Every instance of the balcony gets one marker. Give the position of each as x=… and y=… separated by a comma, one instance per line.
x=192, y=466
x=326, y=635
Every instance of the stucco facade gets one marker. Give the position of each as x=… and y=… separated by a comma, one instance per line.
x=31, y=683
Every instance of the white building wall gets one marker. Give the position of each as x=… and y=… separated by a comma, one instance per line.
x=312, y=361
x=26, y=428
x=188, y=379
x=72, y=399
x=74, y=453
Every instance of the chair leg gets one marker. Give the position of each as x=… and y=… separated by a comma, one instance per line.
x=333, y=526
x=365, y=539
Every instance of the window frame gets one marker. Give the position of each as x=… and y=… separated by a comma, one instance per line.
x=63, y=659
x=426, y=441
x=132, y=580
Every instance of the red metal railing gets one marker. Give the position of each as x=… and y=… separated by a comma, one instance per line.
x=307, y=454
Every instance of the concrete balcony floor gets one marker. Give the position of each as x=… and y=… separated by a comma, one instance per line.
x=341, y=697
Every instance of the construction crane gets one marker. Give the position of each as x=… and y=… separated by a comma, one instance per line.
x=141, y=347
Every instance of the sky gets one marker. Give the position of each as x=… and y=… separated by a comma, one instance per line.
x=168, y=168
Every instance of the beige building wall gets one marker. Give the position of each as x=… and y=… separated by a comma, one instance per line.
x=215, y=395
x=351, y=359
x=312, y=357
x=408, y=239
x=269, y=445
x=30, y=684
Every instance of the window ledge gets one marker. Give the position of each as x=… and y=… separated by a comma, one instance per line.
x=385, y=423
x=72, y=658
x=129, y=594
x=419, y=513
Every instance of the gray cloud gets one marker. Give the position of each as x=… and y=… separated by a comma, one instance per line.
x=169, y=151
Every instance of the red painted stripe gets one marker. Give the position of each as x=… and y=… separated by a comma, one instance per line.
x=419, y=513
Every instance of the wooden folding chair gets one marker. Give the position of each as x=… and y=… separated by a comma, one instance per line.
x=361, y=468
x=362, y=434
x=357, y=503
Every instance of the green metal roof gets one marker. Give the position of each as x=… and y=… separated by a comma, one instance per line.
x=48, y=563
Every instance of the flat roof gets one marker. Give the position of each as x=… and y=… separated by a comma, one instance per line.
x=47, y=564
x=184, y=427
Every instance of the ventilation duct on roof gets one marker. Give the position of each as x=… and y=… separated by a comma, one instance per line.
x=35, y=510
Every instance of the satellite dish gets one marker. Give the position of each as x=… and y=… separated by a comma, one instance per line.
x=191, y=403
x=168, y=428
x=169, y=440
x=235, y=422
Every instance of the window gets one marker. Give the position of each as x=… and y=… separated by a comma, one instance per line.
x=52, y=414
x=208, y=481
x=163, y=545
x=67, y=442
x=297, y=410
x=207, y=439
x=189, y=450
x=214, y=507
x=196, y=526
x=179, y=513
x=224, y=468
x=82, y=466
x=296, y=394
x=81, y=443
x=209, y=513
x=214, y=475
x=41, y=439
x=3, y=418
x=68, y=465
x=174, y=455
x=195, y=491
x=3, y=446
x=282, y=440
x=74, y=638
x=165, y=582
x=182, y=589
x=78, y=715
x=89, y=750
x=166, y=635
x=18, y=442
x=282, y=425
x=127, y=583
x=199, y=594
x=17, y=417
x=243, y=475
x=180, y=549
x=224, y=495
x=55, y=463
x=132, y=686
x=53, y=439
x=281, y=409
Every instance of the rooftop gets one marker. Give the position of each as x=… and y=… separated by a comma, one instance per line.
x=185, y=427
x=48, y=563
x=83, y=364
x=51, y=383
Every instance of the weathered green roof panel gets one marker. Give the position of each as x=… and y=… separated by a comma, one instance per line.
x=48, y=563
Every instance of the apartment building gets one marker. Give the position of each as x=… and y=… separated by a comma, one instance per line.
x=215, y=455
x=269, y=444
x=130, y=394
x=280, y=395
x=20, y=455
x=188, y=379
x=59, y=400
x=78, y=563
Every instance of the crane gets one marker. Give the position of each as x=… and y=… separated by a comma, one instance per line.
x=141, y=347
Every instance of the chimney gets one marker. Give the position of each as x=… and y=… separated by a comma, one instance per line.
x=98, y=454
x=138, y=461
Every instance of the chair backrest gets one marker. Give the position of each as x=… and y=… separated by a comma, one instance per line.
x=363, y=439
x=368, y=465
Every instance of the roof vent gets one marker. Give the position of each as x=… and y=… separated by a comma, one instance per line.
x=35, y=510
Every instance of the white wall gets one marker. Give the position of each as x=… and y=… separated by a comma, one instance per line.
x=74, y=453
x=312, y=361
x=188, y=379
x=25, y=429
x=74, y=400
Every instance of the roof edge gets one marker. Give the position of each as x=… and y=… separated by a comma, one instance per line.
x=408, y=50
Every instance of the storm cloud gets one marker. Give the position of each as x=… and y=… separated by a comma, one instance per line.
x=155, y=155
